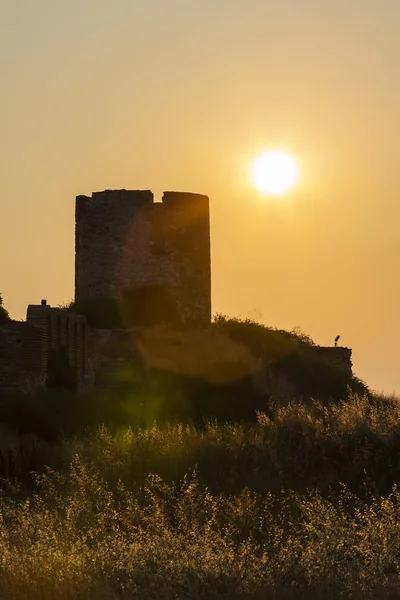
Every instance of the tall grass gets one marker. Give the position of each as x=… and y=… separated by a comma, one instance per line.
x=296, y=446
x=75, y=538
x=301, y=504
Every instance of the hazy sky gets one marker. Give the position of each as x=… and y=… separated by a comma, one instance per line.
x=182, y=94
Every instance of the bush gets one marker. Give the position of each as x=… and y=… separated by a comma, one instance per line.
x=141, y=307
x=4, y=316
x=291, y=356
x=102, y=313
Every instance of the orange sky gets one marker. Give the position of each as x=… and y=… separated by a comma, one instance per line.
x=181, y=95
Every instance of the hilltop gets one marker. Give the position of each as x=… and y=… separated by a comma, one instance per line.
x=234, y=461
x=230, y=370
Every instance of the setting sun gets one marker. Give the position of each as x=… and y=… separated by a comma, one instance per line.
x=274, y=172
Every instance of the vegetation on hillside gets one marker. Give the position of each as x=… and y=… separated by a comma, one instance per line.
x=4, y=316
x=228, y=371
x=302, y=504
x=231, y=462
x=208, y=372
x=291, y=360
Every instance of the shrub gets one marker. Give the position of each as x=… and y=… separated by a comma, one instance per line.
x=4, y=316
x=141, y=307
x=291, y=356
x=102, y=313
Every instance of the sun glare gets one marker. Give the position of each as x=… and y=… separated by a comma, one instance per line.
x=274, y=173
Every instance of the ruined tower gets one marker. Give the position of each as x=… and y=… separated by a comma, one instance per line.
x=153, y=257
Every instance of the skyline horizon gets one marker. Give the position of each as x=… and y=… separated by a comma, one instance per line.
x=253, y=314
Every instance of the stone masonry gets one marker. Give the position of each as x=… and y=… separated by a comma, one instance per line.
x=51, y=344
x=336, y=355
x=128, y=246
x=21, y=358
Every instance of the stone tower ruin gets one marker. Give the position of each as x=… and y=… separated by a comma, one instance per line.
x=153, y=257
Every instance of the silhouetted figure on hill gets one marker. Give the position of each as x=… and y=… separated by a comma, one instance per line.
x=337, y=339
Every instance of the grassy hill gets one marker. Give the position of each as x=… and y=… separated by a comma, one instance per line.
x=232, y=463
x=228, y=371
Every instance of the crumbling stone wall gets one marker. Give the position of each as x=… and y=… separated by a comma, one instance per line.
x=337, y=355
x=65, y=338
x=49, y=349
x=127, y=244
x=21, y=358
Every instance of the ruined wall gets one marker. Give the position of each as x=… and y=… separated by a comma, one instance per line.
x=21, y=358
x=126, y=243
x=336, y=355
x=65, y=339
x=51, y=345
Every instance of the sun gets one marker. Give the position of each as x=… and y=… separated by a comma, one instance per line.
x=274, y=173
